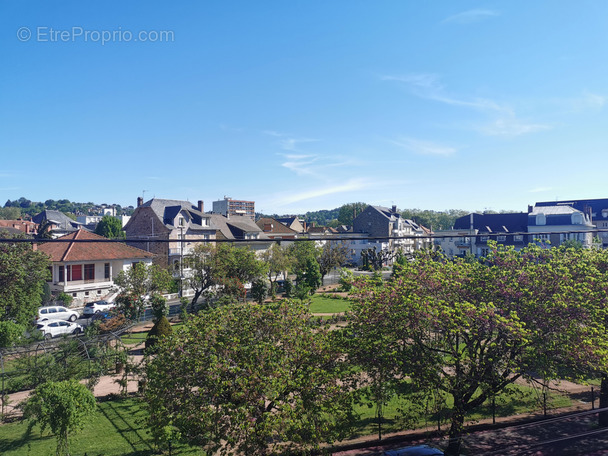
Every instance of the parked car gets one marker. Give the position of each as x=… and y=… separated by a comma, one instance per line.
x=92, y=308
x=102, y=315
x=418, y=450
x=56, y=313
x=54, y=328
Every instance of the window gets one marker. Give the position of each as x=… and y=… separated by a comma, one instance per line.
x=61, y=274
x=483, y=238
x=180, y=221
x=518, y=238
x=577, y=218
x=86, y=293
x=106, y=271
x=501, y=238
x=541, y=219
x=89, y=272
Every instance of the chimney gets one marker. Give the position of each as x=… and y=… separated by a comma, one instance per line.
x=530, y=209
x=394, y=208
x=201, y=206
x=140, y=201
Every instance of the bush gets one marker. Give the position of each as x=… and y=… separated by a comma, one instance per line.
x=161, y=328
x=65, y=298
x=10, y=333
x=288, y=286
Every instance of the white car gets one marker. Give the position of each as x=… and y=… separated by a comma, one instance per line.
x=56, y=313
x=92, y=308
x=54, y=328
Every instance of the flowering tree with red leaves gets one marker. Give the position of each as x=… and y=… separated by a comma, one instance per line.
x=471, y=329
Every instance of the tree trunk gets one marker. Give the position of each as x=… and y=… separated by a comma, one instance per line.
x=455, y=434
x=603, y=416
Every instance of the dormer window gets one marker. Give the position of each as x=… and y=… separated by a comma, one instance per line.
x=541, y=219
x=577, y=218
x=181, y=221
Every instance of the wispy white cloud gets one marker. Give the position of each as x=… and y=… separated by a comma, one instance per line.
x=470, y=16
x=511, y=126
x=287, y=142
x=424, y=147
x=428, y=86
x=320, y=191
x=504, y=120
x=588, y=100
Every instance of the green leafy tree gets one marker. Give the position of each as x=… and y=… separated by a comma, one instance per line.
x=137, y=284
x=250, y=379
x=348, y=212
x=222, y=264
x=278, y=262
x=259, y=291
x=305, y=265
x=110, y=227
x=471, y=329
x=10, y=333
x=61, y=406
x=23, y=273
x=10, y=213
x=333, y=254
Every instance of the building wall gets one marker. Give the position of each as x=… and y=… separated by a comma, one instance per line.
x=145, y=225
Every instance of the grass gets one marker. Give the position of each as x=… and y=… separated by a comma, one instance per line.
x=117, y=428
x=323, y=304
x=518, y=399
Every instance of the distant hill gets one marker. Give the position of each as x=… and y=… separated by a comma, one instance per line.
x=30, y=208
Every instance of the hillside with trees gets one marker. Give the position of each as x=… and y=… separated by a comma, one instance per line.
x=26, y=208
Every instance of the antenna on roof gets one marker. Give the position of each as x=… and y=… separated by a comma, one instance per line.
x=143, y=194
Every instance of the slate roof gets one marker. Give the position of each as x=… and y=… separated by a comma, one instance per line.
x=90, y=251
x=58, y=218
x=166, y=210
x=277, y=226
x=514, y=222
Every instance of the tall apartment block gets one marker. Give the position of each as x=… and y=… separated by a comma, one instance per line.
x=229, y=206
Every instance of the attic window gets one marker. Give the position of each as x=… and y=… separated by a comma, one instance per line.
x=180, y=221
x=577, y=218
x=541, y=219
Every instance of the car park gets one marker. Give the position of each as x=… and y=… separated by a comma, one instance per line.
x=92, y=308
x=55, y=328
x=56, y=313
x=417, y=450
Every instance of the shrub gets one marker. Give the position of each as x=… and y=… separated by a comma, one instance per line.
x=10, y=333
x=288, y=286
x=65, y=298
x=161, y=328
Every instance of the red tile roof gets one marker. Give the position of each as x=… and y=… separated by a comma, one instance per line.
x=90, y=251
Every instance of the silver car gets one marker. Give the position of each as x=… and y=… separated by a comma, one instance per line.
x=56, y=313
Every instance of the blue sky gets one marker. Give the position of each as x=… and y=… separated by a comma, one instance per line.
x=305, y=105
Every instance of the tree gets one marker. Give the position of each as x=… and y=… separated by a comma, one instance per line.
x=250, y=379
x=348, y=212
x=137, y=284
x=333, y=254
x=278, y=262
x=10, y=213
x=23, y=273
x=259, y=291
x=222, y=264
x=470, y=329
x=162, y=328
x=61, y=406
x=110, y=227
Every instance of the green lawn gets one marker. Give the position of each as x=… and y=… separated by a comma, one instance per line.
x=520, y=400
x=323, y=304
x=117, y=428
